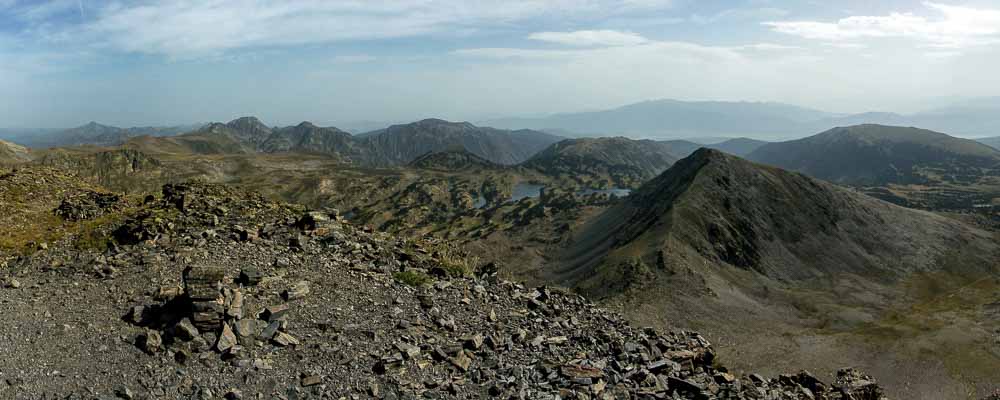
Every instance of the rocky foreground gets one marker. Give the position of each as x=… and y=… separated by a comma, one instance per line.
x=207, y=292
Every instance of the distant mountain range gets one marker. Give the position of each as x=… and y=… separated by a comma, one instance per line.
x=680, y=119
x=654, y=119
x=400, y=144
x=677, y=119
x=92, y=133
x=877, y=155
x=393, y=146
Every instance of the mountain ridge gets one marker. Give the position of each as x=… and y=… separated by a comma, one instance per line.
x=777, y=252
x=396, y=145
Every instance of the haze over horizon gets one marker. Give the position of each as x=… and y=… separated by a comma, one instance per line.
x=151, y=63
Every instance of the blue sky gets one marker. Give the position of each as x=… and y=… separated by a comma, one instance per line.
x=66, y=62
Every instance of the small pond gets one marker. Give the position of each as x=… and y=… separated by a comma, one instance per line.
x=525, y=190
x=614, y=192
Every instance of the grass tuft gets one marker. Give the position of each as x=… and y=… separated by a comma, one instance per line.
x=412, y=278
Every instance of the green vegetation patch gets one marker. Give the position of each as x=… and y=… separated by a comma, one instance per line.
x=412, y=278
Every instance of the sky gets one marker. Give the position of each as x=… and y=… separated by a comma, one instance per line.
x=134, y=63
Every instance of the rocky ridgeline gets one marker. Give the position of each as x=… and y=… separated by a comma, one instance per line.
x=225, y=294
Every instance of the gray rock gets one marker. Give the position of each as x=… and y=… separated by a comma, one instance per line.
x=227, y=339
x=283, y=339
x=297, y=291
x=151, y=342
x=185, y=330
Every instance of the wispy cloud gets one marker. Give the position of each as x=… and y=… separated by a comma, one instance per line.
x=515, y=53
x=590, y=38
x=741, y=14
x=190, y=28
x=954, y=27
x=353, y=58
x=771, y=47
x=680, y=51
x=41, y=10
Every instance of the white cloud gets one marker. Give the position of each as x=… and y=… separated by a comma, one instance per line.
x=193, y=28
x=590, y=38
x=741, y=14
x=513, y=53
x=846, y=45
x=954, y=27
x=353, y=59
x=680, y=51
x=768, y=47
x=41, y=10
x=942, y=54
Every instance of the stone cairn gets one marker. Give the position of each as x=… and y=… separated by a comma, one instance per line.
x=203, y=286
x=212, y=316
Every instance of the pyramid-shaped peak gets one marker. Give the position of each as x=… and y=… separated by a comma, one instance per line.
x=705, y=153
x=249, y=120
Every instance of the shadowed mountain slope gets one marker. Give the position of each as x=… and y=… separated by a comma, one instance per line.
x=456, y=159
x=308, y=138
x=781, y=224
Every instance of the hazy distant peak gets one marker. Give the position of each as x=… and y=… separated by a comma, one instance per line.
x=433, y=122
x=248, y=121
x=95, y=126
